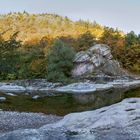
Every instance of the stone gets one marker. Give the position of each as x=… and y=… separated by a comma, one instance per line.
x=102, y=49
x=13, y=88
x=36, y=97
x=83, y=68
x=91, y=87
x=97, y=59
x=82, y=57
x=77, y=88
x=112, y=68
x=2, y=99
x=10, y=94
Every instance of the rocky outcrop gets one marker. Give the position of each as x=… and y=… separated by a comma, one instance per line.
x=96, y=60
x=117, y=122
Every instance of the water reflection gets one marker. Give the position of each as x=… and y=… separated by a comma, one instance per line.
x=63, y=104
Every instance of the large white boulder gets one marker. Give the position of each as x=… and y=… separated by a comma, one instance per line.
x=97, y=59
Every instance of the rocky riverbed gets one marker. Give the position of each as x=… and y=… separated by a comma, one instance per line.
x=116, y=122
x=10, y=121
x=86, y=86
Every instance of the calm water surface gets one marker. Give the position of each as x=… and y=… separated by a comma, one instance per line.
x=63, y=104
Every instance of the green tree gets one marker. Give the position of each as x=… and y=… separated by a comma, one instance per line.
x=9, y=57
x=60, y=62
x=131, y=39
x=111, y=37
x=85, y=41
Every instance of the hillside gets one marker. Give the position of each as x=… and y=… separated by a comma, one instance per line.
x=33, y=27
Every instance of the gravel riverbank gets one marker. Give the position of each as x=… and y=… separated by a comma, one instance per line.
x=10, y=121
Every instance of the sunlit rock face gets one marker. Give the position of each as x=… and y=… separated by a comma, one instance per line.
x=97, y=59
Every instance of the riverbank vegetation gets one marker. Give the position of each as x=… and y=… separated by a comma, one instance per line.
x=28, y=47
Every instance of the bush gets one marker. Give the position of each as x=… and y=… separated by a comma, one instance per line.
x=60, y=62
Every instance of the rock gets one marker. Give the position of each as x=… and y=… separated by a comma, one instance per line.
x=82, y=57
x=10, y=94
x=112, y=67
x=2, y=99
x=102, y=49
x=28, y=86
x=97, y=59
x=91, y=87
x=116, y=122
x=77, y=88
x=82, y=68
x=27, y=93
x=12, y=88
x=36, y=97
x=83, y=88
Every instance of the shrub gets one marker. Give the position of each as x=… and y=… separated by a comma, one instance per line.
x=60, y=62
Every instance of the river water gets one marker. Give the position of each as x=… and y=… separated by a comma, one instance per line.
x=62, y=104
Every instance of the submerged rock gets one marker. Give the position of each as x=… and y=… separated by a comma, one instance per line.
x=98, y=59
x=116, y=122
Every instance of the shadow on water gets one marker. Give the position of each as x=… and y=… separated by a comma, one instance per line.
x=63, y=104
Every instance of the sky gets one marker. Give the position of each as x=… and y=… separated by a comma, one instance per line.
x=122, y=14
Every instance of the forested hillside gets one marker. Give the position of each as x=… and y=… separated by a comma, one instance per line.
x=27, y=44
x=33, y=27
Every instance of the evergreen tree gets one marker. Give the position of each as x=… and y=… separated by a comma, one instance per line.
x=85, y=41
x=131, y=39
x=60, y=62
